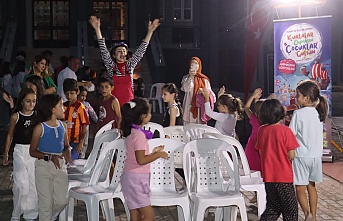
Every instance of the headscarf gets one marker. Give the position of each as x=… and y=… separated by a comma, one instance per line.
x=199, y=82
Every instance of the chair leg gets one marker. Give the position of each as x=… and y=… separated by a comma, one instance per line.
x=92, y=206
x=70, y=209
x=199, y=212
x=160, y=105
x=108, y=208
x=242, y=210
x=261, y=201
x=153, y=106
x=218, y=214
x=230, y=213
x=127, y=211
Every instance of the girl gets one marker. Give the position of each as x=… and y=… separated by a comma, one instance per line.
x=121, y=68
x=35, y=83
x=173, y=116
x=40, y=68
x=230, y=110
x=253, y=155
x=307, y=125
x=190, y=84
x=90, y=113
x=276, y=144
x=135, y=178
x=50, y=146
x=25, y=200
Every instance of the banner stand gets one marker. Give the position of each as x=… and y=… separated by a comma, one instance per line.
x=302, y=50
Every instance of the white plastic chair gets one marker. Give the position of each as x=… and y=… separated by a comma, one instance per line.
x=207, y=189
x=94, y=193
x=106, y=127
x=77, y=170
x=99, y=172
x=248, y=182
x=151, y=126
x=162, y=180
x=245, y=171
x=156, y=96
x=176, y=133
x=196, y=131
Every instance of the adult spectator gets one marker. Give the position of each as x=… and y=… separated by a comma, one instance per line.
x=69, y=72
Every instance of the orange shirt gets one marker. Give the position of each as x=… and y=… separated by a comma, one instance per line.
x=75, y=117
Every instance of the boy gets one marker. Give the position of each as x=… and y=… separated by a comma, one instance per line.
x=90, y=114
x=109, y=108
x=75, y=117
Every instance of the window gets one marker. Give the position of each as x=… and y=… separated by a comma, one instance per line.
x=50, y=20
x=114, y=19
x=183, y=10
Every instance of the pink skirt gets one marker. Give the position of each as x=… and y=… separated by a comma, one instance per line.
x=136, y=189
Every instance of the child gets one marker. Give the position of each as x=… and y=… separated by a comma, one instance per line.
x=109, y=108
x=276, y=144
x=25, y=199
x=34, y=82
x=253, y=155
x=76, y=117
x=307, y=125
x=230, y=110
x=135, y=178
x=173, y=116
x=50, y=146
x=90, y=113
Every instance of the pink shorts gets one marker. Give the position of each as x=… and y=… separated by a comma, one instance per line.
x=136, y=189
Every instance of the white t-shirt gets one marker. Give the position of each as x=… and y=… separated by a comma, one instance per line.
x=64, y=74
x=308, y=130
x=225, y=123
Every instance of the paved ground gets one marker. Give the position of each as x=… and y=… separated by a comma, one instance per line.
x=330, y=191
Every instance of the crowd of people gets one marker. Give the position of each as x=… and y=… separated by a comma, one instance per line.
x=50, y=118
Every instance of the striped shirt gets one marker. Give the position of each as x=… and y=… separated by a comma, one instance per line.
x=75, y=118
x=131, y=63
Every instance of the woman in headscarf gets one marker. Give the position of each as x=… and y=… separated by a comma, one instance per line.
x=190, y=84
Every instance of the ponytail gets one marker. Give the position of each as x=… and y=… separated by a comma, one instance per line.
x=322, y=107
x=234, y=105
x=239, y=108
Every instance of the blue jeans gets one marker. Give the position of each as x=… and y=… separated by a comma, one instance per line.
x=74, y=154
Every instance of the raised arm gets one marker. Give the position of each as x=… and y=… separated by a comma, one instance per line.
x=151, y=28
x=256, y=95
x=105, y=54
x=95, y=23
x=209, y=112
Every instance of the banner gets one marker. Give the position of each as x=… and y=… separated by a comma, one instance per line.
x=302, y=50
